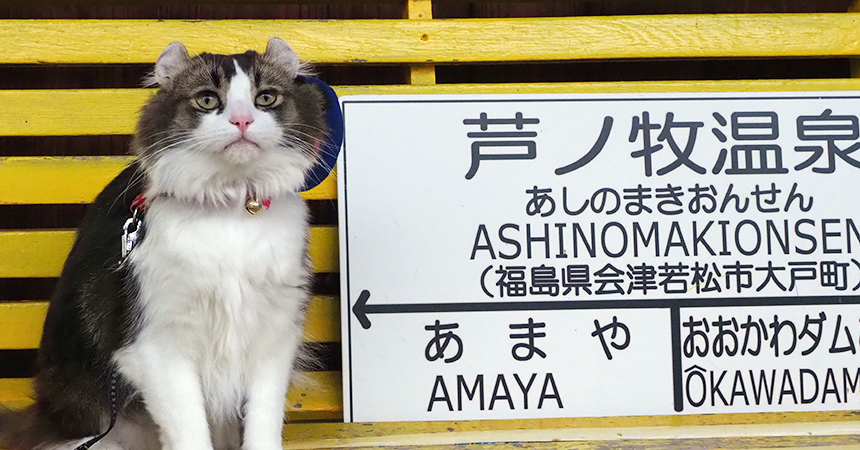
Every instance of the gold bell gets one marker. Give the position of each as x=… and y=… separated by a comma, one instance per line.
x=253, y=206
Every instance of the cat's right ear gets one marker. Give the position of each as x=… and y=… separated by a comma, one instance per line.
x=283, y=55
x=171, y=61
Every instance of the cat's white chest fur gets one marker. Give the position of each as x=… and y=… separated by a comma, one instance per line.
x=220, y=291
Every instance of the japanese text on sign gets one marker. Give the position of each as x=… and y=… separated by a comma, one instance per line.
x=556, y=256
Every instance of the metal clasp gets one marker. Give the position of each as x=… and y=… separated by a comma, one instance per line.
x=130, y=233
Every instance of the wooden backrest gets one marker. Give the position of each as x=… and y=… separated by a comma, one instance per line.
x=418, y=43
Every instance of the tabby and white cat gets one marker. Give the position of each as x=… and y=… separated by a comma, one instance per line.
x=200, y=326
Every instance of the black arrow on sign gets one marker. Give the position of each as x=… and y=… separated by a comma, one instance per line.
x=362, y=310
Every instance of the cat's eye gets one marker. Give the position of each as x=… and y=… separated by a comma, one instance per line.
x=207, y=100
x=266, y=98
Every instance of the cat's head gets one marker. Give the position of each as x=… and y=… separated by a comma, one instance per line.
x=225, y=127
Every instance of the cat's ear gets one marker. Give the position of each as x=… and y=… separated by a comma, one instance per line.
x=280, y=53
x=171, y=61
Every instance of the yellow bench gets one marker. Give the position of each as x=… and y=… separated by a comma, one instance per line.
x=419, y=43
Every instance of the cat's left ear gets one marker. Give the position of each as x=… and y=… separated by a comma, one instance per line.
x=329, y=146
x=280, y=53
x=171, y=61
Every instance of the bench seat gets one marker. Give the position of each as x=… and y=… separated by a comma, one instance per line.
x=419, y=45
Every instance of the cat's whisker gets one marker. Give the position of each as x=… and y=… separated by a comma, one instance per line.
x=313, y=137
x=294, y=125
x=167, y=142
x=144, y=161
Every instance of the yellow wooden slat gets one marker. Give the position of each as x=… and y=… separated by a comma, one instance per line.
x=314, y=396
x=41, y=253
x=37, y=112
x=419, y=9
x=747, y=443
x=137, y=3
x=21, y=322
x=34, y=253
x=496, y=441
x=606, y=87
x=327, y=190
x=725, y=431
x=324, y=249
x=421, y=73
x=53, y=180
x=319, y=396
x=440, y=41
x=323, y=319
x=56, y=180
x=356, y=432
x=71, y=112
x=16, y=392
x=46, y=112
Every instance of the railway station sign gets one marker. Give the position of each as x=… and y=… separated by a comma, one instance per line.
x=525, y=256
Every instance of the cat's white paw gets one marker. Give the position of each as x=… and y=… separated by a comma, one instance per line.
x=259, y=444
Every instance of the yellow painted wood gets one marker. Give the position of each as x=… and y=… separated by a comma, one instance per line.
x=34, y=253
x=422, y=74
x=314, y=396
x=355, y=433
x=16, y=393
x=21, y=322
x=752, y=443
x=832, y=84
x=323, y=319
x=441, y=41
x=41, y=253
x=56, y=180
x=39, y=112
x=69, y=112
x=324, y=250
x=206, y=2
x=855, y=63
x=419, y=9
x=536, y=432
x=327, y=190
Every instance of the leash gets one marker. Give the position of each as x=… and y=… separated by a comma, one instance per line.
x=113, y=413
x=130, y=232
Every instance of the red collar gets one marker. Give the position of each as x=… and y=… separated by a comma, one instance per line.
x=141, y=202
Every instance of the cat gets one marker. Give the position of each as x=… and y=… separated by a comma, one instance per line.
x=195, y=331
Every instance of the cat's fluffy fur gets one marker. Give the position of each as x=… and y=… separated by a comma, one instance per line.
x=203, y=320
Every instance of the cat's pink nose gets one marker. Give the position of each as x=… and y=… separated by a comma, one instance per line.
x=243, y=122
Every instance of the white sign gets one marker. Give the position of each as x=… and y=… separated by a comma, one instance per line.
x=529, y=256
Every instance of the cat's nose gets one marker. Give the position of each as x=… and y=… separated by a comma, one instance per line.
x=243, y=122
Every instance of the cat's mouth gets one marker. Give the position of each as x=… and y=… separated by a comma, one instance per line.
x=242, y=142
x=242, y=151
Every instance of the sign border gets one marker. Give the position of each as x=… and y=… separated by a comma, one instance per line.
x=674, y=305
